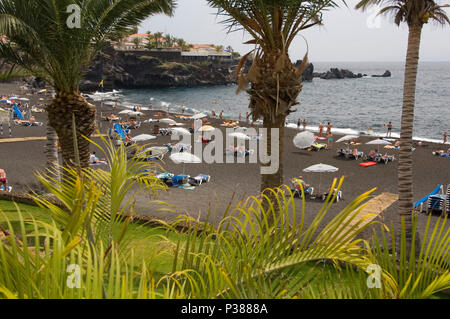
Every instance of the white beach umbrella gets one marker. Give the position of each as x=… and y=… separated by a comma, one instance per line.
x=168, y=121
x=185, y=157
x=321, y=168
x=137, y=113
x=304, y=139
x=23, y=99
x=180, y=131
x=125, y=112
x=347, y=138
x=14, y=98
x=199, y=116
x=379, y=142
x=240, y=136
x=143, y=138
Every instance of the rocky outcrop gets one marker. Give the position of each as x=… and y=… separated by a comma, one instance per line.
x=308, y=74
x=386, y=74
x=124, y=70
x=335, y=73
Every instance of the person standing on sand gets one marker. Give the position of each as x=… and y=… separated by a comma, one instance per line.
x=299, y=123
x=240, y=116
x=182, y=109
x=329, y=127
x=150, y=106
x=247, y=116
x=213, y=114
x=221, y=115
x=304, y=125
x=389, y=130
x=445, y=137
x=330, y=139
x=320, y=129
x=115, y=106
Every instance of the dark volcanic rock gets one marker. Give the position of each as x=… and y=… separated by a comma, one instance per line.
x=308, y=74
x=336, y=73
x=127, y=70
x=386, y=74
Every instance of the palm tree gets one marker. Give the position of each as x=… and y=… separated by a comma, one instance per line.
x=275, y=81
x=415, y=13
x=43, y=42
x=157, y=36
x=168, y=41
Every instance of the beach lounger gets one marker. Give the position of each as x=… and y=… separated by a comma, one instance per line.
x=436, y=203
x=318, y=147
x=448, y=200
x=165, y=177
x=419, y=204
x=385, y=159
x=9, y=188
x=17, y=113
x=120, y=132
x=355, y=156
x=199, y=179
x=338, y=195
x=179, y=180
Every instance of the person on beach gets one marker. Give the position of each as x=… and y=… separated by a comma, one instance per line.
x=300, y=180
x=93, y=159
x=329, y=127
x=150, y=106
x=304, y=125
x=389, y=130
x=221, y=115
x=182, y=109
x=3, y=179
x=299, y=123
x=240, y=116
x=247, y=116
x=330, y=139
x=445, y=137
x=320, y=129
x=115, y=106
x=138, y=109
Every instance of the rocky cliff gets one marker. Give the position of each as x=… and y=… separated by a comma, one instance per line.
x=124, y=70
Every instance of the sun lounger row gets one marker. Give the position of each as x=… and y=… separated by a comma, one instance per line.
x=379, y=158
x=436, y=202
x=349, y=154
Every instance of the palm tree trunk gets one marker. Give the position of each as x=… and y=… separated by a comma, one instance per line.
x=405, y=170
x=276, y=179
x=51, y=151
x=60, y=114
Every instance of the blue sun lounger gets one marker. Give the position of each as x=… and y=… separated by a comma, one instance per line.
x=18, y=113
x=118, y=129
x=422, y=201
x=199, y=179
x=436, y=203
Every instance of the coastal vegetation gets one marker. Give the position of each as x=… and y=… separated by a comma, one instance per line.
x=415, y=14
x=88, y=246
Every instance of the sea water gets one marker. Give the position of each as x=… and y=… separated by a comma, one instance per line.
x=349, y=104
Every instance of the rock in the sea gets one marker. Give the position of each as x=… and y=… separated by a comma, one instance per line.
x=386, y=74
x=308, y=74
x=336, y=73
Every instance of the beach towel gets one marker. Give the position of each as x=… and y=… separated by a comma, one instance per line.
x=368, y=164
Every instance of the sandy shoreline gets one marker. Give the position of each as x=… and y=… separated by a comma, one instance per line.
x=234, y=182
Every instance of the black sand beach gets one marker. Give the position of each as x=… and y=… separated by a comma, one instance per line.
x=237, y=181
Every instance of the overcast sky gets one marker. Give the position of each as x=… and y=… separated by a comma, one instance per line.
x=347, y=35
